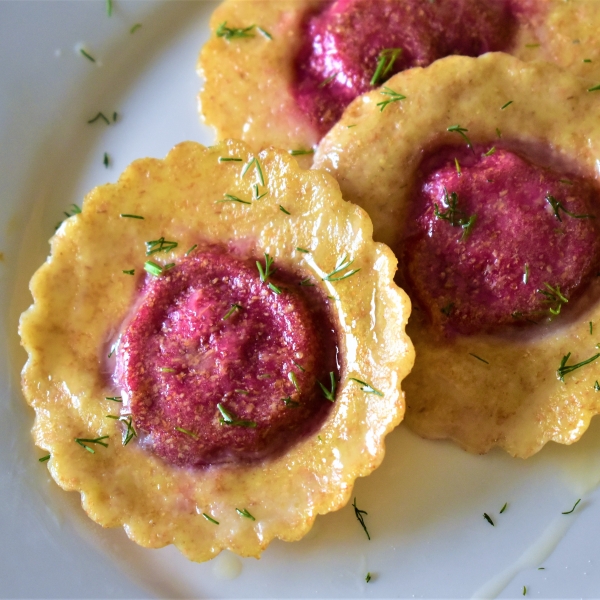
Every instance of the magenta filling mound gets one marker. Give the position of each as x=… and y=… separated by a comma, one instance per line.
x=221, y=362
x=495, y=240
x=351, y=46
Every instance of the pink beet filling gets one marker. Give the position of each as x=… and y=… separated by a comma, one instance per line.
x=343, y=40
x=511, y=240
x=210, y=333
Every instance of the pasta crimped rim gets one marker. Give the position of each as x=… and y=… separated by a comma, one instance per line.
x=82, y=296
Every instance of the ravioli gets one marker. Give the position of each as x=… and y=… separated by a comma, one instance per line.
x=281, y=72
x=506, y=341
x=216, y=347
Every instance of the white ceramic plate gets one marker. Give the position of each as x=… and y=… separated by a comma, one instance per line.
x=425, y=504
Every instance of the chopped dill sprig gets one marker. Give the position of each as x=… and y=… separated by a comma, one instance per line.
x=87, y=55
x=341, y=265
x=135, y=28
x=565, y=369
x=283, y=210
x=568, y=512
x=479, y=358
x=328, y=80
x=231, y=198
x=84, y=441
x=591, y=328
x=504, y=507
x=160, y=245
x=596, y=88
x=385, y=63
x=498, y=133
x=359, y=515
x=209, y=518
x=457, y=164
x=490, y=151
x=264, y=32
x=244, y=513
x=114, y=398
x=257, y=194
x=44, y=458
x=596, y=386
x=151, y=267
x=292, y=378
x=106, y=160
x=299, y=366
x=130, y=432
x=301, y=152
x=230, y=33
x=488, y=519
x=100, y=115
x=366, y=387
x=274, y=288
x=524, y=590
x=187, y=432
x=306, y=282
x=393, y=97
x=73, y=210
x=532, y=45
x=243, y=392
x=558, y=206
x=109, y=8
x=289, y=402
x=303, y=250
x=506, y=105
x=223, y=159
x=329, y=394
x=455, y=216
x=129, y=271
x=228, y=418
x=127, y=216
x=233, y=308
x=587, y=60
x=368, y=577
x=553, y=296
x=191, y=249
x=265, y=272
x=167, y=370
x=462, y=132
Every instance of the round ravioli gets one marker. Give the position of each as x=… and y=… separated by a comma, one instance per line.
x=282, y=72
x=482, y=175
x=216, y=347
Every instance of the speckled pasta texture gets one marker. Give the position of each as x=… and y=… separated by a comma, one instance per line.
x=516, y=400
x=82, y=297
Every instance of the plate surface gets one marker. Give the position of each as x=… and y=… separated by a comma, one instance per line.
x=425, y=504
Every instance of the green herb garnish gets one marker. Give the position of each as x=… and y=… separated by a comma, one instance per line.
x=88, y=56
x=368, y=577
x=292, y=378
x=109, y=7
x=524, y=590
x=100, y=116
x=106, y=160
x=191, y=249
x=462, y=132
x=385, y=63
x=283, y=210
x=532, y=45
x=596, y=88
x=455, y=216
x=231, y=198
x=289, y=402
x=264, y=32
x=266, y=272
x=328, y=80
x=301, y=152
x=74, y=210
x=303, y=250
x=488, y=519
x=233, y=308
x=553, y=296
x=393, y=97
x=299, y=366
x=160, y=245
x=306, y=282
x=228, y=418
x=490, y=151
x=187, y=432
x=329, y=394
x=456, y=163
x=230, y=33
x=447, y=310
x=274, y=288
x=340, y=266
x=558, y=206
x=587, y=60
x=506, y=105
x=209, y=518
x=130, y=432
x=244, y=513
x=359, y=515
x=114, y=398
x=504, y=507
x=152, y=268
x=366, y=387
x=479, y=358
x=498, y=133
x=568, y=512
x=126, y=216
x=129, y=271
x=135, y=28
x=223, y=159
x=565, y=369
x=44, y=458
x=597, y=386
x=84, y=441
